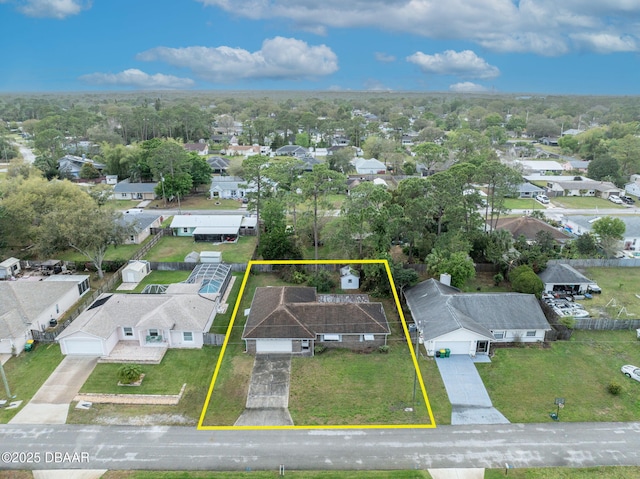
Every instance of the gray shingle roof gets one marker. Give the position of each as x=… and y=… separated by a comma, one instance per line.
x=563, y=274
x=126, y=187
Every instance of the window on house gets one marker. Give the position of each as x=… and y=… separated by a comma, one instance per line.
x=82, y=287
x=128, y=332
x=368, y=337
x=332, y=337
x=531, y=334
x=153, y=332
x=185, y=230
x=498, y=334
x=187, y=336
x=123, y=195
x=132, y=238
x=349, y=281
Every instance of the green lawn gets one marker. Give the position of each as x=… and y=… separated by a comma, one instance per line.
x=524, y=382
x=114, y=253
x=621, y=472
x=221, y=321
x=191, y=366
x=160, y=277
x=584, y=202
x=271, y=474
x=175, y=248
x=619, y=289
x=26, y=373
x=199, y=201
x=523, y=204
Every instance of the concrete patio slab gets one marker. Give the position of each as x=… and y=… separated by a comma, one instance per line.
x=456, y=473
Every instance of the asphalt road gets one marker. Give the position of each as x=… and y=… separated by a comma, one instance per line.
x=182, y=448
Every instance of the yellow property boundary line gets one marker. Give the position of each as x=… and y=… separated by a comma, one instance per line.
x=362, y=426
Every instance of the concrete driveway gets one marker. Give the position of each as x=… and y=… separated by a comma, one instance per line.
x=470, y=402
x=268, y=396
x=50, y=404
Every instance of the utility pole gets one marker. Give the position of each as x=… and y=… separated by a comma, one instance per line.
x=6, y=383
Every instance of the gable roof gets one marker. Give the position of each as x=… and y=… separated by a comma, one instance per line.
x=139, y=221
x=294, y=312
x=218, y=163
x=127, y=187
x=529, y=227
x=440, y=309
x=562, y=273
x=206, y=221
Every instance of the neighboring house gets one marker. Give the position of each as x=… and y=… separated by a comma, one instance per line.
x=218, y=165
x=135, y=271
x=134, y=191
x=241, y=150
x=292, y=150
x=308, y=162
x=177, y=318
x=580, y=224
x=633, y=188
x=467, y=323
x=549, y=140
x=576, y=165
x=229, y=187
x=201, y=148
x=349, y=278
x=294, y=319
x=576, y=186
x=541, y=167
x=9, y=268
x=70, y=165
x=213, y=228
x=563, y=277
x=369, y=167
x=529, y=227
x=32, y=305
x=528, y=190
x=142, y=224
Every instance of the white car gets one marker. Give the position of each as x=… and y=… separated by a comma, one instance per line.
x=630, y=371
x=544, y=199
x=616, y=199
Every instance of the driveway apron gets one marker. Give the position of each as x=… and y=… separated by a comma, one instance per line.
x=470, y=402
x=50, y=404
x=268, y=397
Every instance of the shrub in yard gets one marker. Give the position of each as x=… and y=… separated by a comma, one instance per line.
x=322, y=281
x=319, y=349
x=497, y=279
x=129, y=373
x=614, y=388
x=383, y=349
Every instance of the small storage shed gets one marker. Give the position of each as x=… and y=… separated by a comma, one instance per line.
x=9, y=267
x=349, y=278
x=211, y=257
x=135, y=271
x=192, y=257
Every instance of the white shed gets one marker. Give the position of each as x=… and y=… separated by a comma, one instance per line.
x=349, y=278
x=135, y=271
x=9, y=267
x=211, y=257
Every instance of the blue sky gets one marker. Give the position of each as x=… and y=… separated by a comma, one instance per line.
x=506, y=46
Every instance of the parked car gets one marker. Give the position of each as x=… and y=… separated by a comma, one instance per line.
x=542, y=199
x=594, y=289
x=615, y=199
x=628, y=200
x=631, y=371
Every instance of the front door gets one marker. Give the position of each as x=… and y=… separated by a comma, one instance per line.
x=482, y=347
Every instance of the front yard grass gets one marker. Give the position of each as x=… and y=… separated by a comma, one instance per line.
x=619, y=289
x=524, y=382
x=272, y=474
x=191, y=366
x=584, y=202
x=175, y=248
x=26, y=373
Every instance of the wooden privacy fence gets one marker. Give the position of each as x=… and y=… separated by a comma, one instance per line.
x=606, y=324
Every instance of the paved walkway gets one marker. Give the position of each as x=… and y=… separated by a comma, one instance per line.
x=268, y=396
x=50, y=404
x=470, y=402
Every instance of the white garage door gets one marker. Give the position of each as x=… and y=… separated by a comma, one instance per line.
x=86, y=347
x=274, y=346
x=456, y=347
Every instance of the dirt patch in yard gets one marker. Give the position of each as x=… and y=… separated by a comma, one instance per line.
x=147, y=420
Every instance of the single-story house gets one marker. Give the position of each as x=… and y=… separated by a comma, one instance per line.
x=576, y=186
x=177, y=318
x=33, y=305
x=242, y=150
x=9, y=268
x=580, y=224
x=369, y=167
x=540, y=166
x=135, y=271
x=200, y=148
x=467, y=323
x=142, y=224
x=218, y=165
x=563, y=277
x=576, y=165
x=213, y=228
x=229, y=187
x=349, y=278
x=528, y=190
x=294, y=319
x=292, y=150
x=528, y=227
x=125, y=190
x=71, y=165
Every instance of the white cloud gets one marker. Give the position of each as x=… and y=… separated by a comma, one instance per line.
x=58, y=9
x=467, y=87
x=544, y=27
x=375, y=85
x=384, y=57
x=279, y=58
x=605, y=43
x=464, y=64
x=138, y=79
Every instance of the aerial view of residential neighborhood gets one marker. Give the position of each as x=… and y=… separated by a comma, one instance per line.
x=371, y=240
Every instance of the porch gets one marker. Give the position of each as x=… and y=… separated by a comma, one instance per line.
x=132, y=352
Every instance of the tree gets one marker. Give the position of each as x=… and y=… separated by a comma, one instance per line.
x=603, y=167
x=314, y=186
x=610, y=231
x=586, y=245
x=276, y=242
x=340, y=160
x=431, y=155
x=459, y=265
x=626, y=151
x=526, y=281
x=199, y=170
x=90, y=230
x=253, y=171
x=89, y=172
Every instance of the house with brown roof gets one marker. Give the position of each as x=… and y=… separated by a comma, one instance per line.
x=294, y=319
x=528, y=226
